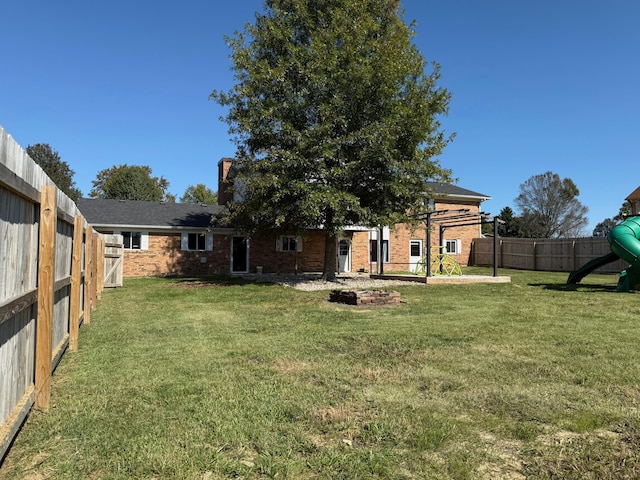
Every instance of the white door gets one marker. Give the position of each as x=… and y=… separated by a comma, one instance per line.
x=344, y=255
x=415, y=254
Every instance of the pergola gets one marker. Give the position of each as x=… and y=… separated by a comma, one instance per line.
x=458, y=218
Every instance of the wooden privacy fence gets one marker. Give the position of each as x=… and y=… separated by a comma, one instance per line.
x=552, y=255
x=52, y=272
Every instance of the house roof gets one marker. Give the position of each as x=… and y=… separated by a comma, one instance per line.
x=449, y=190
x=109, y=213
x=128, y=213
x=635, y=195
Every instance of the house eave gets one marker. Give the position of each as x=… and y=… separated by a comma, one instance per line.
x=463, y=198
x=157, y=228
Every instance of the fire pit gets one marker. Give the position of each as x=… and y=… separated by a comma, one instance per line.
x=364, y=297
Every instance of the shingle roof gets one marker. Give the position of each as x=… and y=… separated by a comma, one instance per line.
x=103, y=212
x=448, y=189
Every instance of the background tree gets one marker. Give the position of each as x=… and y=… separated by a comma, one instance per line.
x=603, y=228
x=550, y=207
x=57, y=170
x=133, y=182
x=511, y=226
x=199, y=194
x=335, y=120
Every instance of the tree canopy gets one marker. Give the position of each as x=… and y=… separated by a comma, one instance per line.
x=55, y=168
x=130, y=182
x=550, y=207
x=511, y=226
x=603, y=228
x=199, y=194
x=335, y=120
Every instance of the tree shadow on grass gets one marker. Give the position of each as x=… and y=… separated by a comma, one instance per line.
x=579, y=287
x=218, y=281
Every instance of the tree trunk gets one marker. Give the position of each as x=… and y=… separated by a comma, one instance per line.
x=329, y=268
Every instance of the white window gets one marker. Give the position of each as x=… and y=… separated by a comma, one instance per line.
x=452, y=247
x=289, y=243
x=135, y=240
x=197, y=241
x=416, y=248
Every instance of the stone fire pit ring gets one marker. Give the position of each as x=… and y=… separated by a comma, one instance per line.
x=365, y=297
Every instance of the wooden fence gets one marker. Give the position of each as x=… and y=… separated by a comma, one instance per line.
x=552, y=255
x=52, y=268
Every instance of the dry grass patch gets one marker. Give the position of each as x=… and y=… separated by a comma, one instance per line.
x=287, y=367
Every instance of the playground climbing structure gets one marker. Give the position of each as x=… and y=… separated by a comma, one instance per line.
x=624, y=240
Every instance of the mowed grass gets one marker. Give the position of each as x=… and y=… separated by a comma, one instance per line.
x=216, y=379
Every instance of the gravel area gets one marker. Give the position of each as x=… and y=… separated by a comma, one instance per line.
x=344, y=281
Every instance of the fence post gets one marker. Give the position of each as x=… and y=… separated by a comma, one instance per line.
x=46, y=281
x=88, y=262
x=100, y=268
x=76, y=279
x=94, y=270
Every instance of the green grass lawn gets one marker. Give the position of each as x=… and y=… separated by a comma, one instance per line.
x=184, y=380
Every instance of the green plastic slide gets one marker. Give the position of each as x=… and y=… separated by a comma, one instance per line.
x=587, y=268
x=624, y=240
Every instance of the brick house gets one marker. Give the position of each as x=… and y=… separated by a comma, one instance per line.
x=634, y=201
x=180, y=239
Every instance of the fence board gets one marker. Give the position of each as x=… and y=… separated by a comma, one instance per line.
x=44, y=254
x=554, y=255
x=113, y=261
x=46, y=280
x=76, y=287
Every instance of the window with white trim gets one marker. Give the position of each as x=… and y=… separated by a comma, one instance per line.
x=135, y=240
x=452, y=247
x=197, y=241
x=289, y=243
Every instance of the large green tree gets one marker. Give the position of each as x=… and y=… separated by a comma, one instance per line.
x=550, y=207
x=199, y=194
x=55, y=168
x=130, y=182
x=334, y=113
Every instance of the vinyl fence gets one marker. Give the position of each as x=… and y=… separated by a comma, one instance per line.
x=552, y=255
x=51, y=276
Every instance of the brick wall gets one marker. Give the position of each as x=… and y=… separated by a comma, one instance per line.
x=164, y=257
x=360, y=251
x=310, y=259
x=465, y=234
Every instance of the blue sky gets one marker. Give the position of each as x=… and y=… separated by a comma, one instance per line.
x=537, y=86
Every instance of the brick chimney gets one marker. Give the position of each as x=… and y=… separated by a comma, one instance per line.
x=225, y=184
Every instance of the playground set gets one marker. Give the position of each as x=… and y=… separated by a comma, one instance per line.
x=624, y=240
